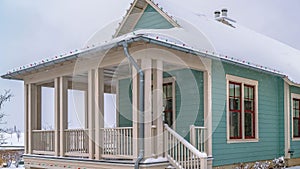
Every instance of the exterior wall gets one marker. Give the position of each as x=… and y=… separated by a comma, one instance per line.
x=151, y=19
x=270, y=114
x=125, y=100
x=295, y=145
x=189, y=99
x=189, y=104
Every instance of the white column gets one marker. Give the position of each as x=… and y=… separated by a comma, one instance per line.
x=38, y=108
x=56, y=116
x=31, y=115
x=117, y=104
x=135, y=112
x=158, y=105
x=208, y=110
x=287, y=123
x=63, y=112
x=91, y=112
x=26, y=123
x=86, y=109
x=147, y=68
x=99, y=112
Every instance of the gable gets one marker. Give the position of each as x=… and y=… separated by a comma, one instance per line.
x=151, y=19
x=144, y=14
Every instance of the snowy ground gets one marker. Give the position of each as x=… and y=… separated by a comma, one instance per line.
x=11, y=139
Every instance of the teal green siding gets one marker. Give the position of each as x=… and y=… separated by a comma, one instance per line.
x=295, y=145
x=151, y=19
x=270, y=114
x=125, y=106
x=189, y=99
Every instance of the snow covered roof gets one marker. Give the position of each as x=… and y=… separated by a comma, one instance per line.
x=206, y=35
x=238, y=44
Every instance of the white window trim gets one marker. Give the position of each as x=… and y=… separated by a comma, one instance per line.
x=294, y=96
x=243, y=81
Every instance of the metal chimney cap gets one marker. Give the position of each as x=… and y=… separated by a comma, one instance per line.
x=224, y=10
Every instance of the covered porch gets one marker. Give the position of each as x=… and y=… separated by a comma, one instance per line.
x=175, y=128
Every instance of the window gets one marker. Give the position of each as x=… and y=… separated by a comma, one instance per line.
x=296, y=115
x=168, y=103
x=242, y=121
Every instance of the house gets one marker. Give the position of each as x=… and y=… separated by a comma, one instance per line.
x=191, y=91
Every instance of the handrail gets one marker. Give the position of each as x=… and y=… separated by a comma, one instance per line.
x=198, y=137
x=186, y=143
x=76, y=142
x=43, y=141
x=45, y=131
x=181, y=154
x=117, y=142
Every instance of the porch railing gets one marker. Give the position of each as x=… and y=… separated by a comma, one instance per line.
x=180, y=153
x=77, y=142
x=43, y=142
x=197, y=137
x=117, y=142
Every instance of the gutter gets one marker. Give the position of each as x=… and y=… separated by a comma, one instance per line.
x=141, y=104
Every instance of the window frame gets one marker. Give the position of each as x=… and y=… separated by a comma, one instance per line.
x=172, y=80
x=297, y=97
x=244, y=82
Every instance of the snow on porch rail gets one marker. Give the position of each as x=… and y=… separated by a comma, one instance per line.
x=181, y=154
x=117, y=143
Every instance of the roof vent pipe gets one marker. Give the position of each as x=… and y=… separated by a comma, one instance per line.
x=224, y=12
x=217, y=14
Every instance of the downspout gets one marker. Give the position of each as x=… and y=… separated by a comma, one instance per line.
x=141, y=104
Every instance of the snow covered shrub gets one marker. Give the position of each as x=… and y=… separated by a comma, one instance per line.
x=279, y=163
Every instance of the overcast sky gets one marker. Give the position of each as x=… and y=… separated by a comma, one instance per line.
x=31, y=30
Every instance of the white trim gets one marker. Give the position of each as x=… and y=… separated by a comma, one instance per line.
x=242, y=141
x=243, y=81
x=294, y=96
x=287, y=112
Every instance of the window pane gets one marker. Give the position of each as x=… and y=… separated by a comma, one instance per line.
x=296, y=113
x=234, y=104
x=296, y=104
x=169, y=105
x=249, y=128
x=235, y=125
x=246, y=92
x=249, y=105
x=251, y=93
x=169, y=90
x=165, y=91
x=231, y=89
x=296, y=128
x=237, y=90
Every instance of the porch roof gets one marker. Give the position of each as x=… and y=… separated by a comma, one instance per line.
x=159, y=37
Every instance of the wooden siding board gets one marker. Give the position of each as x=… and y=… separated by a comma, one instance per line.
x=151, y=19
x=271, y=119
